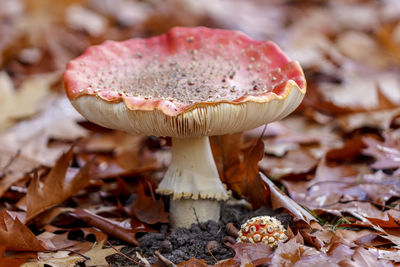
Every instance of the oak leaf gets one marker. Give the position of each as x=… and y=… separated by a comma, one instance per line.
x=15, y=236
x=57, y=186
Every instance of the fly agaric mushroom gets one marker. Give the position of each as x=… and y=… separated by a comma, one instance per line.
x=188, y=84
x=262, y=229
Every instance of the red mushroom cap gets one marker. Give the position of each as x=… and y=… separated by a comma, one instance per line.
x=183, y=71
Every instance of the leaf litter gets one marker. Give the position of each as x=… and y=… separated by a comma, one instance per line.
x=331, y=171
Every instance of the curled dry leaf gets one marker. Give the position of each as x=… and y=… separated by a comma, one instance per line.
x=280, y=200
x=57, y=186
x=125, y=230
x=15, y=236
x=238, y=167
x=147, y=208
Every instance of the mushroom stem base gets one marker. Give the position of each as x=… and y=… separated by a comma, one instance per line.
x=192, y=173
x=184, y=212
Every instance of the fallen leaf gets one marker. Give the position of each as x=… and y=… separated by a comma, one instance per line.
x=292, y=253
x=295, y=165
x=226, y=151
x=97, y=255
x=15, y=236
x=75, y=239
x=193, y=263
x=31, y=136
x=125, y=230
x=391, y=222
x=380, y=119
x=243, y=178
x=146, y=208
x=26, y=101
x=57, y=186
x=351, y=149
x=13, y=167
x=280, y=200
x=252, y=254
x=9, y=262
x=363, y=257
x=387, y=153
x=59, y=258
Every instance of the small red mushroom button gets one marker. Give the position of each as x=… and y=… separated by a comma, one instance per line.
x=264, y=229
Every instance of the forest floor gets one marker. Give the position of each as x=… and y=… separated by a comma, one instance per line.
x=76, y=194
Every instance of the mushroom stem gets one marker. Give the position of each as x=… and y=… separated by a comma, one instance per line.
x=193, y=181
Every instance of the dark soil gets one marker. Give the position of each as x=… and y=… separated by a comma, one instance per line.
x=206, y=241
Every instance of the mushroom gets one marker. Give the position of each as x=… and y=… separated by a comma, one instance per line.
x=187, y=84
x=262, y=229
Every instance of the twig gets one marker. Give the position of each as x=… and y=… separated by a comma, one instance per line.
x=212, y=244
x=143, y=259
x=123, y=255
x=164, y=259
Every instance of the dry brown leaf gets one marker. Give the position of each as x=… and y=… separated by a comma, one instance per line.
x=57, y=186
x=238, y=167
x=31, y=137
x=26, y=101
x=13, y=167
x=387, y=153
x=15, y=236
x=280, y=200
x=248, y=254
x=193, y=263
x=61, y=238
x=243, y=178
x=59, y=258
x=9, y=262
x=226, y=151
x=351, y=149
x=374, y=119
x=125, y=230
x=146, y=208
x=97, y=255
x=330, y=185
x=295, y=165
